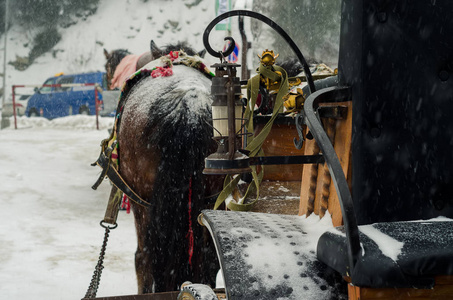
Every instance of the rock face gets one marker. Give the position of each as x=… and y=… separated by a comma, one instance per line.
x=44, y=23
x=21, y=63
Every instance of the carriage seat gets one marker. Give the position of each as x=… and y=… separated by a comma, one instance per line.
x=395, y=254
x=394, y=178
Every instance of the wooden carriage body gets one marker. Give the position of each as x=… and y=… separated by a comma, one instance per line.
x=388, y=158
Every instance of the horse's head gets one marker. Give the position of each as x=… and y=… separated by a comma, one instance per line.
x=113, y=59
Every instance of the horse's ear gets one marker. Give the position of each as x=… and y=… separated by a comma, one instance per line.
x=155, y=51
x=106, y=53
x=202, y=53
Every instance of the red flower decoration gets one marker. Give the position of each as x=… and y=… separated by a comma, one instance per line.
x=161, y=72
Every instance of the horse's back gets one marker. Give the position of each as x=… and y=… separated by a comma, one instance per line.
x=187, y=91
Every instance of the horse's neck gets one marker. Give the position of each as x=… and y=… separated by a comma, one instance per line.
x=144, y=59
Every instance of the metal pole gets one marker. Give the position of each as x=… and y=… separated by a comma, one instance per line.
x=244, y=70
x=4, y=53
x=231, y=117
x=96, y=102
x=14, y=107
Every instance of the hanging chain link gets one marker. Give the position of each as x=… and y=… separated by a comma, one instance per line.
x=94, y=285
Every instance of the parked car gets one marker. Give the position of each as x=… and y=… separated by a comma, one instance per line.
x=55, y=102
x=21, y=104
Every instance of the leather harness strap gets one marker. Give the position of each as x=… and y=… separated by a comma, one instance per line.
x=111, y=172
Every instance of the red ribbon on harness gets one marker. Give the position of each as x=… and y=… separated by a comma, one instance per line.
x=126, y=204
x=190, y=232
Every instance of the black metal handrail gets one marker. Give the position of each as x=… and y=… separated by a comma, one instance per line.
x=264, y=19
x=335, y=94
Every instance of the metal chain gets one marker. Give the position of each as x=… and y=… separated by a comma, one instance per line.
x=94, y=285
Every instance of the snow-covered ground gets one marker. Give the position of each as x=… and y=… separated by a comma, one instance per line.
x=49, y=234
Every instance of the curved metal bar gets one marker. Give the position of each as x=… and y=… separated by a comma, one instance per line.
x=269, y=22
x=335, y=94
x=214, y=53
x=299, y=121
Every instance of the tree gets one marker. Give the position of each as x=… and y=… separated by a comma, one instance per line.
x=42, y=18
x=50, y=13
x=314, y=25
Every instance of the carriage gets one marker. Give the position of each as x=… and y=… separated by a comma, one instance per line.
x=377, y=160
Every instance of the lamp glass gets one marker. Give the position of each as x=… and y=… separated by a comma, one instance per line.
x=220, y=120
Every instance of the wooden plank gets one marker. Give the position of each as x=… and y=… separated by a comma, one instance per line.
x=318, y=194
x=312, y=174
x=279, y=142
x=353, y=292
x=442, y=290
x=278, y=197
x=324, y=179
x=307, y=190
x=444, y=280
x=343, y=149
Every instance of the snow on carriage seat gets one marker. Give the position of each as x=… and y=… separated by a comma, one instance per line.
x=437, y=219
x=388, y=245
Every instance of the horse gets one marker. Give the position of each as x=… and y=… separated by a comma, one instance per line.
x=164, y=136
x=121, y=63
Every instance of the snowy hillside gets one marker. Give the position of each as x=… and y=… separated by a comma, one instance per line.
x=117, y=24
x=131, y=24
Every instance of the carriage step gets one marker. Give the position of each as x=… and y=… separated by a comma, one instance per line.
x=156, y=296
x=267, y=256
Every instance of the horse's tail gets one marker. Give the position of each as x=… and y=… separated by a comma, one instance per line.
x=183, y=137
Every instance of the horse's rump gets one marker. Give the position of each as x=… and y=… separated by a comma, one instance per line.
x=163, y=138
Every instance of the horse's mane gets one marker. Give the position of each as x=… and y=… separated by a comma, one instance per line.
x=178, y=46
